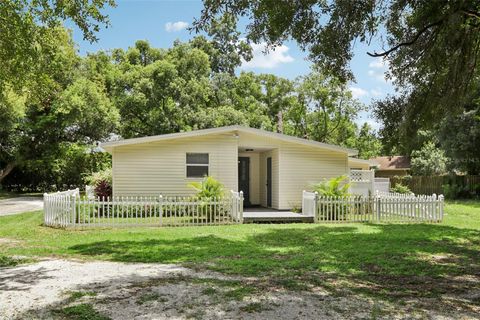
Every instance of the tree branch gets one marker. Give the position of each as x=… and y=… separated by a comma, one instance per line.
x=6, y=171
x=407, y=43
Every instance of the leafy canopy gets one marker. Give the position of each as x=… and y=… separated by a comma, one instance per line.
x=431, y=46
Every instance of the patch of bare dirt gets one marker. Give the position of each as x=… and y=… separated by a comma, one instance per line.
x=158, y=291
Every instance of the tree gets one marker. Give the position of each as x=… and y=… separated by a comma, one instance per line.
x=459, y=136
x=430, y=46
x=429, y=160
x=26, y=26
x=226, y=49
x=54, y=120
x=367, y=143
x=329, y=106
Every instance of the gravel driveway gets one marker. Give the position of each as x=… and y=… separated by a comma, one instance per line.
x=19, y=205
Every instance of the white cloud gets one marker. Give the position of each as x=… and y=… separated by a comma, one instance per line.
x=379, y=63
x=176, y=26
x=358, y=92
x=376, y=92
x=378, y=69
x=270, y=60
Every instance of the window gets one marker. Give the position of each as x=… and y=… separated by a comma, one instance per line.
x=197, y=165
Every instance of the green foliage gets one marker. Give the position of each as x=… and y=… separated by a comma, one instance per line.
x=331, y=104
x=431, y=46
x=429, y=160
x=367, y=143
x=85, y=112
x=96, y=177
x=400, y=188
x=456, y=190
x=26, y=28
x=459, y=136
x=208, y=188
x=335, y=187
x=82, y=311
x=102, y=182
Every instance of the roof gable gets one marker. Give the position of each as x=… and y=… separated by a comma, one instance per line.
x=109, y=146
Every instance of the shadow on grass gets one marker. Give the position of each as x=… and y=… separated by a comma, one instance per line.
x=392, y=260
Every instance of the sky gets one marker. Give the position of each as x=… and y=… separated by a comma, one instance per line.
x=161, y=22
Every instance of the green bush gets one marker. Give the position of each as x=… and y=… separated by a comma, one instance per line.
x=208, y=188
x=102, y=182
x=400, y=188
x=335, y=187
x=457, y=191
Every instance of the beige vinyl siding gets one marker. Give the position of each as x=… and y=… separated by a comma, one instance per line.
x=301, y=166
x=254, y=176
x=160, y=167
x=250, y=140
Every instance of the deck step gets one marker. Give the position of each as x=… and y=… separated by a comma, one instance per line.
x=277, y=219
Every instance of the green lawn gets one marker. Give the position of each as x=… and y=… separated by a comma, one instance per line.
x=6, y=194
x=401, y=259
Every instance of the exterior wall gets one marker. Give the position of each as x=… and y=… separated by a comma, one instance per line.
x=302, y=166
x=275, y=178
x=249, y=140
x=254, y=176
x=160, y=167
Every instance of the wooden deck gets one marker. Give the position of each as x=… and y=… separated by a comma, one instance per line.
x=265, y=215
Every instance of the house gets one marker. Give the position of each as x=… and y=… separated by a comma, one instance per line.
x=392, y=166
x=271, y=169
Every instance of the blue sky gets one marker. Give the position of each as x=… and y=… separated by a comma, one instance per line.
x=162, y=21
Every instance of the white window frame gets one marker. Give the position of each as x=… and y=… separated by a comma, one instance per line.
x=196, y=164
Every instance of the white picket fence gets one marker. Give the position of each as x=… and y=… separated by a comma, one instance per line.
x=68, y=209
x=382, y=207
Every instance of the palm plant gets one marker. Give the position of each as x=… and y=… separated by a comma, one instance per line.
x=208, y=188
x=335, y=187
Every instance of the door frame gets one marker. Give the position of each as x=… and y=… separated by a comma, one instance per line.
x=246, y=193
x=269, y=182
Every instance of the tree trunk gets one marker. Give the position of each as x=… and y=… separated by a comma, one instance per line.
x=6, y=171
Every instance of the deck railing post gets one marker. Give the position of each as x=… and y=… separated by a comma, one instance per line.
x=160, y=208
x=240, y=209
x=378, y=202
x=315, y=207
x=73, y=202
x=440, y=200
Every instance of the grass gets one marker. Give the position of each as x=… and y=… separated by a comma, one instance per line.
x=75, y=295
x=80, y=312
x=7, y=194
x=390, y=260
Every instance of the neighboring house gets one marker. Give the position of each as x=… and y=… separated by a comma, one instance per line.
x=270, y=168
x=392, y=166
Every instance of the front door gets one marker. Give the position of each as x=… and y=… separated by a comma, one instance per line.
x=244, y=178
x=269, y=182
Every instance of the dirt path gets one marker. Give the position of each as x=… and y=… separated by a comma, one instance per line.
x=62, y=289
x=147, y=291
x=19, y=205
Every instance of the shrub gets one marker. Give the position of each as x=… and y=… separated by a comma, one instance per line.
x=102, y=182
x=456, y=191
x=208, y=188
x=335, y=187
x=400, y=188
